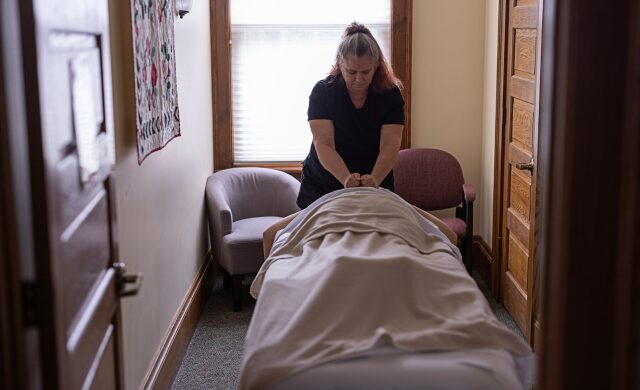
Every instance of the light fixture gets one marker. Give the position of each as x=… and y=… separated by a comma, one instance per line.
x=183, y=7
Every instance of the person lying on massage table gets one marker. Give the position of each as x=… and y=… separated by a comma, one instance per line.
x=361, y=273
x=269, y=235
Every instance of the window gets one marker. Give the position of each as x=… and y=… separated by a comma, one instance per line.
x=265, y=71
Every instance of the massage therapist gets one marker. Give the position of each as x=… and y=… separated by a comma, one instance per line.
x=356, y=116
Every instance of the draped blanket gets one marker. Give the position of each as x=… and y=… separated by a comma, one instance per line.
x=358, y=270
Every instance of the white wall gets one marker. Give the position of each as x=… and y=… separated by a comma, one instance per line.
x=160, y=204
x=449, y=91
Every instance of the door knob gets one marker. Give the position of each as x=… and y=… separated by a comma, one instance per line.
x=128, y=283
x=526, y=166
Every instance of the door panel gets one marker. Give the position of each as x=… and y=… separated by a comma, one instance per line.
x=520, y=196
x=518, y=261
x=522, y=124
x=85, y=249
x=518, y=208
x=85, y=344
x=525, y=53
x=103, y=374
x=512, y=297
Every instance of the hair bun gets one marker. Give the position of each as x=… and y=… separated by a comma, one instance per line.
x=356, y=27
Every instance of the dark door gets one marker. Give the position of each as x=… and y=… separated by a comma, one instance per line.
x=78, y=285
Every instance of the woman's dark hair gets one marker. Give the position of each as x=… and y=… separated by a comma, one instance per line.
x=358, y=41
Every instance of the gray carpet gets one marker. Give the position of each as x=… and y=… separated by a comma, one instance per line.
x=214, y=355
x=213, y=358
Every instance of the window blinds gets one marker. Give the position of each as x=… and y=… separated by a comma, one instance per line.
x=280, y=49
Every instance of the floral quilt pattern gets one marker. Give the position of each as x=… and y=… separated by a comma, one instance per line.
x=157, y=114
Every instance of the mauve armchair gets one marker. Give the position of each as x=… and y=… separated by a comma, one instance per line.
x=432, y=179
x=242, y=203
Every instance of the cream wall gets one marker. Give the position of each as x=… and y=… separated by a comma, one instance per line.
x=160, y=205
x=485, y=204
x=450, y=90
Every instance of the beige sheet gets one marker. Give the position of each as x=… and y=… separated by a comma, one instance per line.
x=359, y=271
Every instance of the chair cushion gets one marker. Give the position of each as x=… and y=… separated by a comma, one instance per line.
x=457, y=225
x=244, y=245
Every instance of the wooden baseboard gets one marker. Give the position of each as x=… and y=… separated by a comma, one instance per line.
x=166, y=362
x=483, y=261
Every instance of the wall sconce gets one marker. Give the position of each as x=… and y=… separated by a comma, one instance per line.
x=183, y=7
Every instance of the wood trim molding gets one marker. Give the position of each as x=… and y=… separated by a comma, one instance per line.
x=498, y=168
x=482, y=260
x=401, y=55
x=285, y=167
x=221, y=46
x=166, y=362
x=220, y=23
x=536, y=263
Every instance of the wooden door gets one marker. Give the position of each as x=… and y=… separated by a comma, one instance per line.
x=519, y=160
x=71, y=139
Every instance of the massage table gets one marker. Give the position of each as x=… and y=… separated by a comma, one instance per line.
x=360, y=291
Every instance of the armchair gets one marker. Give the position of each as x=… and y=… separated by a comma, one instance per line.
x=241, y=204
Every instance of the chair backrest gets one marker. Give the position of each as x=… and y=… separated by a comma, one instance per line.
x=428, y=178
x=256, y=192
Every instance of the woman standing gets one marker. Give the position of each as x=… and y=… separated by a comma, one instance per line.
x=356, y=116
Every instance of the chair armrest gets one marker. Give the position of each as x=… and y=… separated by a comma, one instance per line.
x=469, y=192
x=220, y=216
x=291, y=188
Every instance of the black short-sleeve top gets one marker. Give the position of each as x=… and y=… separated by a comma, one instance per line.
x=356, y=131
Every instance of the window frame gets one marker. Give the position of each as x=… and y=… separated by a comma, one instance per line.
x=401, y=27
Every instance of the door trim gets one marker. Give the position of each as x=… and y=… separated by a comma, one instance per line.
x=590, y=337
x=21, y=351
x=11, y=353
x=499, y=153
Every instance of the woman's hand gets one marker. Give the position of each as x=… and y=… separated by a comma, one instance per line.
x=353, y=180
x=369, y=181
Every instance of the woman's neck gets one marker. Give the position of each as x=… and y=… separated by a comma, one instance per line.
x=358, y=98
x=357, y=94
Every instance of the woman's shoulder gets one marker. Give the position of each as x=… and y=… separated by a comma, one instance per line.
x=327, y=83
x=327, y=86
x=392, y=95
x=394, y=91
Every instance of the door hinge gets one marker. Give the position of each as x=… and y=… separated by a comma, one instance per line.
x=29, y=304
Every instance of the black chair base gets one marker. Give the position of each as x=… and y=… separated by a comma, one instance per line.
x=465, y=250
x=236, y=291
x=226, y=280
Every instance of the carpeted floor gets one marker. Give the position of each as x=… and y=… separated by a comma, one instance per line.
x=215, y=351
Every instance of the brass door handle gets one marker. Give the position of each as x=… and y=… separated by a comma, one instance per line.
x=526, y=166
x=124, y=279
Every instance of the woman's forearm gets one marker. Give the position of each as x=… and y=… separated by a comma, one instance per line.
x=390, y=139
x=384, y=164
x=324, y=142
x=332, y=162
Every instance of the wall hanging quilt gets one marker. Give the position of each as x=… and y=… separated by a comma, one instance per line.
x=157, y=115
